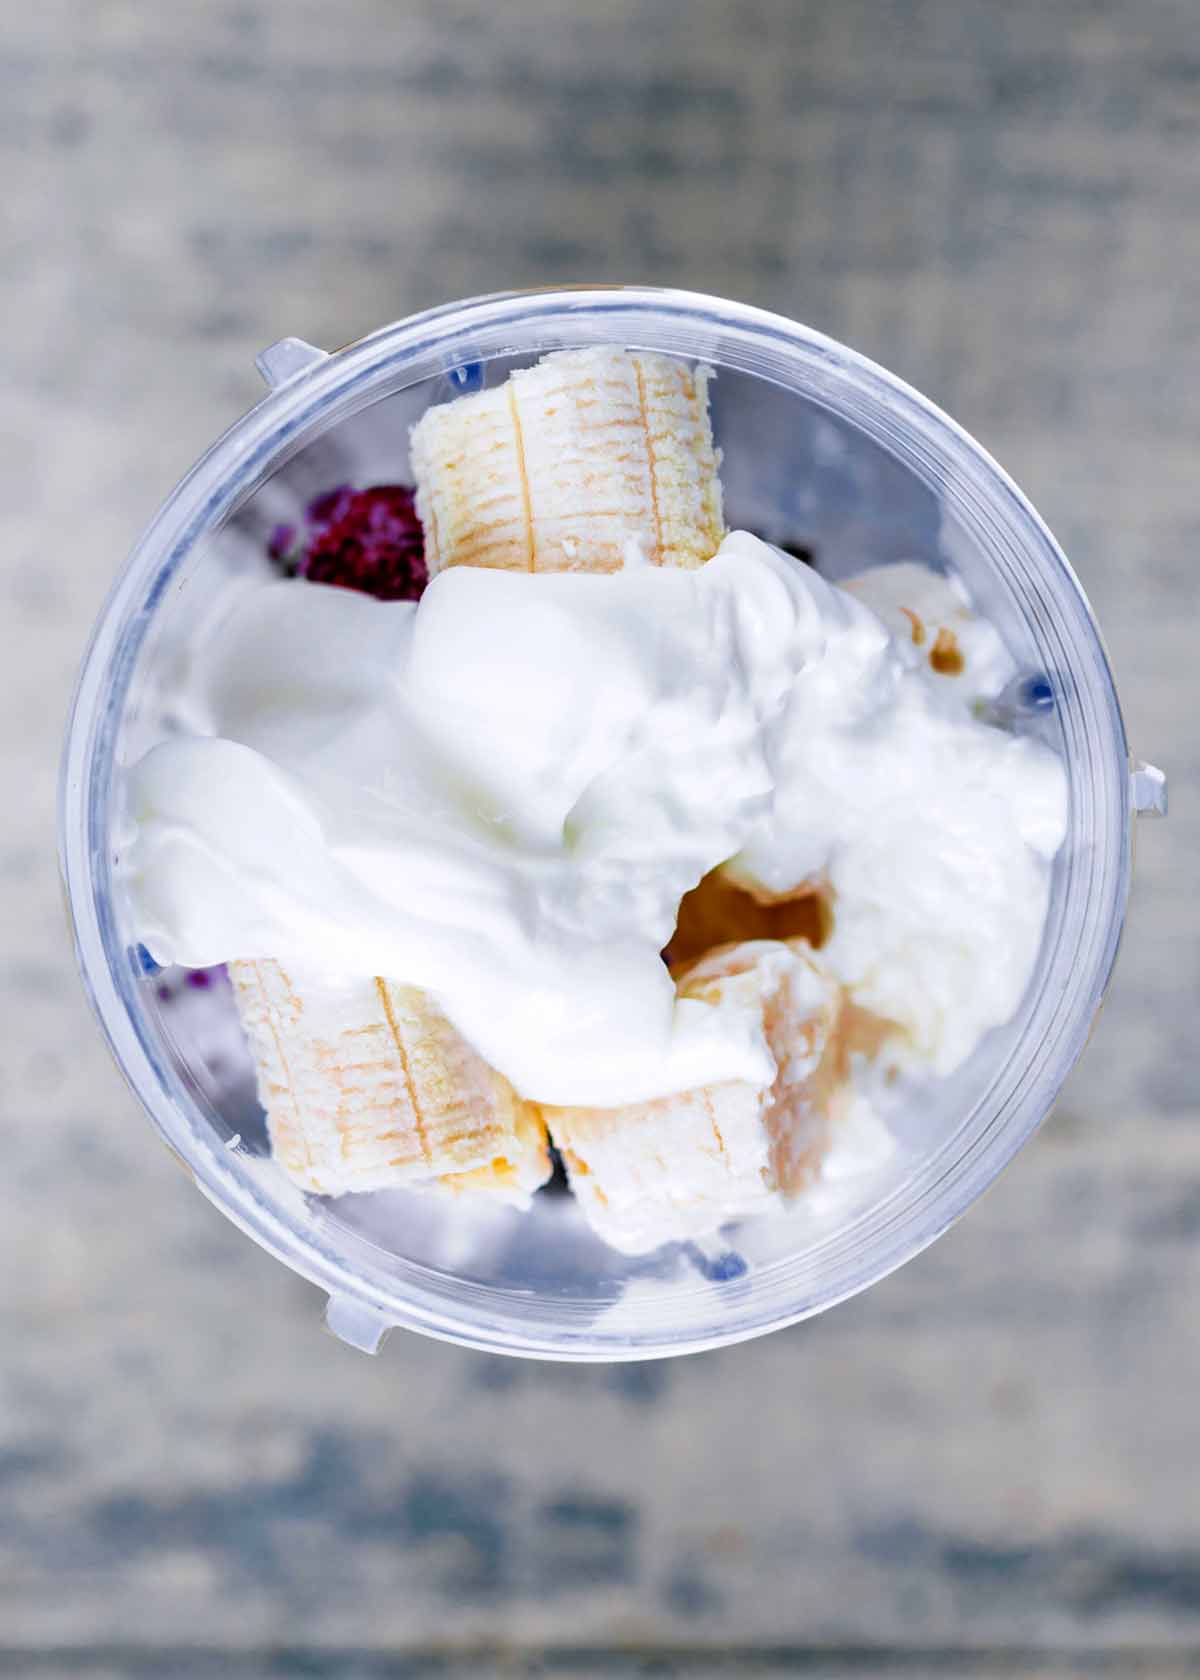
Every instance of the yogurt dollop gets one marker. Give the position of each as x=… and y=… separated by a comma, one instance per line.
x=501, y=795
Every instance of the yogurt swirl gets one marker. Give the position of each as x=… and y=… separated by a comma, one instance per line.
x=501, y=794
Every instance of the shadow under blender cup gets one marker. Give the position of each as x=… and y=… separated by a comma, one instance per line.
x=821, y=447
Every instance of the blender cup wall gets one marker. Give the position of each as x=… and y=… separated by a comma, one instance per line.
x=823, y=452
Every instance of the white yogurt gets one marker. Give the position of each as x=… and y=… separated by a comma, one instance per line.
x=935, y=830
x=927, y=611
x=502, y=795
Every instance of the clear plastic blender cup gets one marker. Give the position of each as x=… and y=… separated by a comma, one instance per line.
x=821, y=449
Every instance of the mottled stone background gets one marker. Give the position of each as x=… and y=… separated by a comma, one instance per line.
x=988, y=1465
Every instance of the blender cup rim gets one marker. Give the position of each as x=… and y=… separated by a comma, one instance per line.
x=330, y=387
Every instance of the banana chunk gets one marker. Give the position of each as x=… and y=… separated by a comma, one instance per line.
x=368, y=1086
x=586, y=460
x=682, y=1166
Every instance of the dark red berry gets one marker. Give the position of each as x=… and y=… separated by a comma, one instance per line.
x=369, y=540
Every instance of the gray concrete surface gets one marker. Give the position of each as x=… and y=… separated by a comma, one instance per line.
x=988, y=1465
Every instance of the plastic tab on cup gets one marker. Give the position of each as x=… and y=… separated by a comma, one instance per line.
x=1149, y=790
x=358, y=1326
x=284, y=359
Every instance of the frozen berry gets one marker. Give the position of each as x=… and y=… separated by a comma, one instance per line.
x=369, y=540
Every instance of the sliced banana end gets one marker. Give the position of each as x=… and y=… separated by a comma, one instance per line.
x=368, y=1086
x=683, y=1166
x=567, y=463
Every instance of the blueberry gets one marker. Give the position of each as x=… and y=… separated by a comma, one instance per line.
x=724, y=1269
x=281, y=542
x=1037, y=693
